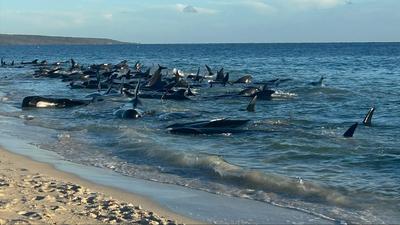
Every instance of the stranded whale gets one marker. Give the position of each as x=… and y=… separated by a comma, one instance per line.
x=48, y=102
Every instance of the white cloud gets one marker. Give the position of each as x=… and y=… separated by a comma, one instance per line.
x=40, y=18
x=271, y=6
x=108, y=16
x=259, y=5
x=303, y=4
x=191, y=9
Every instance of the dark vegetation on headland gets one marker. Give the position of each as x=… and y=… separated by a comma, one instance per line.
x=17, y=39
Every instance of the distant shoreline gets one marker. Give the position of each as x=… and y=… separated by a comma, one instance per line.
x=18, y=39
x=21, y=39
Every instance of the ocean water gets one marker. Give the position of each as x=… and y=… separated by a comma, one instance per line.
x=292, y=152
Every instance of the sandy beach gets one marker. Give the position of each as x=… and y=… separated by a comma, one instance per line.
x=36, y=193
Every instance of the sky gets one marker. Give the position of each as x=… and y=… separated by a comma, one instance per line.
x=206, y=21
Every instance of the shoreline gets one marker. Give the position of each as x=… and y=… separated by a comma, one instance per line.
x=172, y=201
x=47, y=195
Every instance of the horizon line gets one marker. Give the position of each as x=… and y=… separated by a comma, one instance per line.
x=305, y=42
x=183, y=43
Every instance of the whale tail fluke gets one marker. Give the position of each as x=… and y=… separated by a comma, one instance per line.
x=368, y=118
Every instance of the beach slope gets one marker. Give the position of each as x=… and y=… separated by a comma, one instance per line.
x=33, y=192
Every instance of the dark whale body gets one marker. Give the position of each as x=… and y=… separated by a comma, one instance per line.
x=128, y=114
x=48, y=102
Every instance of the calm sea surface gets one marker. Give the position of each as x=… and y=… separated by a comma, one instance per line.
x=292, y=152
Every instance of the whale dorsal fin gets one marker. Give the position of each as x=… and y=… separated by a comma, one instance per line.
x=350, y=131
x=226, y=79
x=136, y=100
x=220, y=75
x=210, y=72
x=252, y=105
x=189, y=91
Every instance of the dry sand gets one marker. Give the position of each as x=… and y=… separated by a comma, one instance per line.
x=36, y=193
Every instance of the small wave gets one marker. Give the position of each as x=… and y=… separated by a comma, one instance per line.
x=216, y=168
x=283, y=94
x=328, y=90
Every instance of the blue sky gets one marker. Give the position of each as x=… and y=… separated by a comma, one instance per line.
x=206, y=21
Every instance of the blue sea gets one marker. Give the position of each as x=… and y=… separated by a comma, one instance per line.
x=292, y=152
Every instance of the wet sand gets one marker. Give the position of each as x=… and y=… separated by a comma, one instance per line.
x=32, y=192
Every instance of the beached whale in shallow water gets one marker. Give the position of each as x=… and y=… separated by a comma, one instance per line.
x=127, y=114
x=217, y=126
x=368, y=117
x=209, y=70
x=48, y=102
x=223, y=81
x=132, y=113
x=244, y=80
x=140, y=74
x=155, y=82
x=190, y=130
x=179, y=95
x=217, y=123
x=196, y=77
x=262, y=93
x=32, y=62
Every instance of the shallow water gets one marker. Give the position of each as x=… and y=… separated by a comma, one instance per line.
x=292, y=153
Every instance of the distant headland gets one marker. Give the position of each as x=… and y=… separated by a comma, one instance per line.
x=18, y=39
